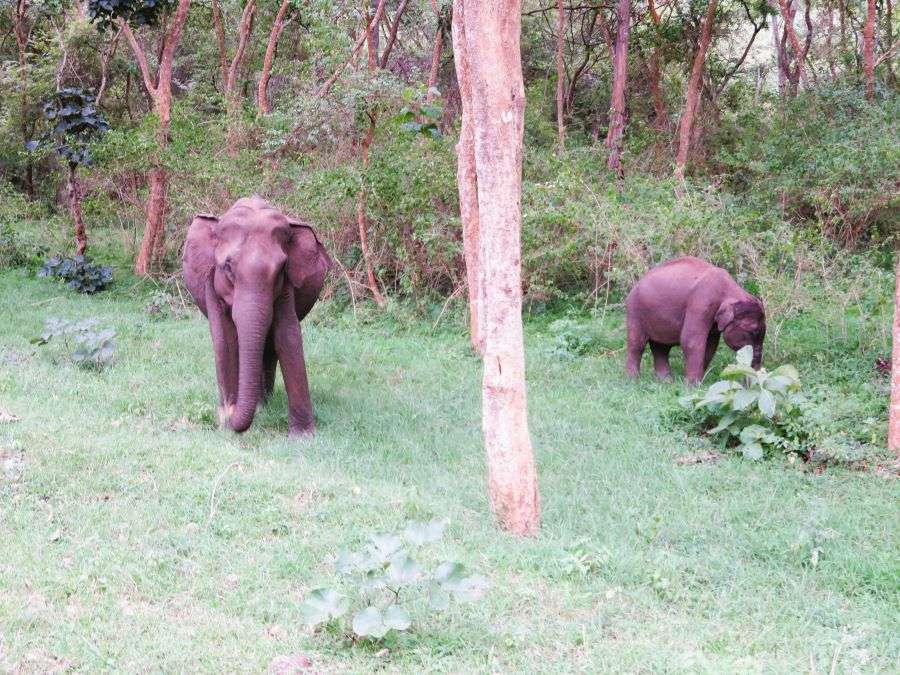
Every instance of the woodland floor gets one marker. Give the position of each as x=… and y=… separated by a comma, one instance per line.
x=136, y=536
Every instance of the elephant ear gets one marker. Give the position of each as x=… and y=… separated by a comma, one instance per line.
x=307, y=265
x=724, y=316
x=199, y=256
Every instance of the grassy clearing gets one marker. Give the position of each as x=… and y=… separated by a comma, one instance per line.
x=137, y=536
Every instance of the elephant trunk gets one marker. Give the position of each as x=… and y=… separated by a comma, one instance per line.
x=253, y=317
x=757, y=356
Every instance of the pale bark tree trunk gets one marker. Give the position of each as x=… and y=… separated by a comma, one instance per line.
x=869, y=50
x=693, y=91
x=232, y=87
x=160, y=90
x=894, y=413
x=620, y=79
x=486, y=48
x=262, y=97
x=829, y=39
x=560, y=75
x=780, y=64
x=75, y=209
x=787, y=16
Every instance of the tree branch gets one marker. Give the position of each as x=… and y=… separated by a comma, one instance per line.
x=326, y=86
x=139, y=56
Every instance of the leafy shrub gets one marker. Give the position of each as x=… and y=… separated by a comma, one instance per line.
x=14, y=252
x=85, y=344
x=78, y=272
x=572, y=338
x=385, y=579
x=164, y=304
x=753, y=410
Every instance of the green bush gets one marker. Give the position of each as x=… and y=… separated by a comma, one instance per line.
x=385, y=580
x=753, y=410
x=78, y=272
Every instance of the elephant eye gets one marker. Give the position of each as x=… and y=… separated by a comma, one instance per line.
x=229, y=273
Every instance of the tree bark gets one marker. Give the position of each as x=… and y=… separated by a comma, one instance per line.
x=693, y=91
x=81, y=241
x=486, y=48
x=560, y=76
x=869, y=50
x=435, y=69
x=220, y=42
x=620, y=79
x=799, y=53
x=894, y=413
x=467, y=185
x=262, y=97
x=661, y=121
x=160, y=90
x=392, y=38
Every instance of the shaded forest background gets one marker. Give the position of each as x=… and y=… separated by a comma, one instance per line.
x=790, y=162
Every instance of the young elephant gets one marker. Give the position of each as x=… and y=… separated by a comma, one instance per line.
x=689, y=302
x=255, y=273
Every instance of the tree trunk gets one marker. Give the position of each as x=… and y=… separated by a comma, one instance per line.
x=22, y=34
x=560, y=75
x=371, y=30
x=486, y=40
x=829, y=40
x=869, y=50
x=894, y=414
x=467, y=185
x=655, y=76
x=75, y=210
x=799, y=54
x=392, y=38
x=232, y=90
x=693, y=91
x=435, y=69
x=153, y=241
x=220, y=42
x=262, y=97
x=620, y=79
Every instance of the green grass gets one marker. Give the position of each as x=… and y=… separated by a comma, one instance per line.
x=136, y=536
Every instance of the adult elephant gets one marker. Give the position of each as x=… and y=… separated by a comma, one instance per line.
x=690, y=302
x=255, y=273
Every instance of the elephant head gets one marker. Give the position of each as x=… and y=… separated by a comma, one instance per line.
x=266, y=268
x=742, y=323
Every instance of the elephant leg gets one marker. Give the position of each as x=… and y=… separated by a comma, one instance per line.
x=712, y=344
x=270, y=360
x=224, y=339
x=289, y=347
x=661, y=360
x=637, y=341
x=694, y=344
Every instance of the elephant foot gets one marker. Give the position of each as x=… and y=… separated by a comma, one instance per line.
x=302, y=432
x=664, y=377
x=224, y=413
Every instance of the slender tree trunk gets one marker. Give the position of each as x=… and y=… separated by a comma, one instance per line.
x=655, y=76
x=160, y=90
x=371, y=31
x=22, y=34
x=829, y=39
x=262, y=97
x=435, y=69
x=392, y=37
x=220, y=42
x=780, y=65
x=75, y=209
x=869, y=50
x=693, y=91
x=620, y=79
x=486, y=48
x=889, y=42
x=467, y=184
x=232, y=89
x=799, y=53
x=560, y=75
x=894, y=413
x=104, y=66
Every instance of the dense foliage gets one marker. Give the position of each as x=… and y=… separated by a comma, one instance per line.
x=78, y=273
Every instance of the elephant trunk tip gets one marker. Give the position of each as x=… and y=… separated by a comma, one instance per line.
x=240, y=423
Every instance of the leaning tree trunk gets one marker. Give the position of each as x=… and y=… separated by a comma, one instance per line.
x=262, y=98
x=560, y=75
x=869, y=50
x=894, y=415
x=486, y=47
x=75, y=209
x=620, y=78
x=693, y=91
x=787, y=16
